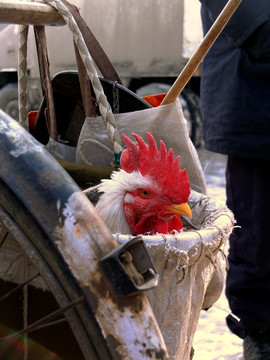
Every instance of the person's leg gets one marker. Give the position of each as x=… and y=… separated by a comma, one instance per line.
x=248, y=278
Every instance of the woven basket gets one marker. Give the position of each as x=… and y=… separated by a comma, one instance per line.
x=191, y=266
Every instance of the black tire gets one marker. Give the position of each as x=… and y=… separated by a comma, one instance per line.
x=19, y=227
x=9, y=100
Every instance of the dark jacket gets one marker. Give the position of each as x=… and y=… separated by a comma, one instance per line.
x=235, y=85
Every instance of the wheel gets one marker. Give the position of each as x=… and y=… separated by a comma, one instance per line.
x=9, y=100
x=23, y=259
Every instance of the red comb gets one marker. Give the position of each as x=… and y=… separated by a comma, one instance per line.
x=158, y=164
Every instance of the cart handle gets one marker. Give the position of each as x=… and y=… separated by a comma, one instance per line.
x=27, y=12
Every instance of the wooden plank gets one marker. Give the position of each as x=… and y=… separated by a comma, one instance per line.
x=29, y=13
x=44, y=68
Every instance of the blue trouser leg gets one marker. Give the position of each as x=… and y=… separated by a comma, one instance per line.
x=248, y=278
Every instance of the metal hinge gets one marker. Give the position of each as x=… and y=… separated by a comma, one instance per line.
x=129, y=268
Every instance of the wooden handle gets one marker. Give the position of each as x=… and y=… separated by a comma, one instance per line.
x=202, y=50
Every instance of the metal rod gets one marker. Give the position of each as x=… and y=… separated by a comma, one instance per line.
x=4, y=239
x=44, y=321
x=18, y=287
x=52, y=323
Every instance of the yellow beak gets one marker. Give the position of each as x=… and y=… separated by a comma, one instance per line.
x=181, y=209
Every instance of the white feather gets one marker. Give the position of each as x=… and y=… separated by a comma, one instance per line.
x=110, y=204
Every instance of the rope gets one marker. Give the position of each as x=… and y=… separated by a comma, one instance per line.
x=22, y=78
x=104, y=106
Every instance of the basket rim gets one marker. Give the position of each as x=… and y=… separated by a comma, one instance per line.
x=195, y=243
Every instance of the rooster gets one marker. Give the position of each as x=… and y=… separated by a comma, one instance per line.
x=149, y=193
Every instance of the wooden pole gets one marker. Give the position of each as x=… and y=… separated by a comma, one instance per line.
x=202, y=50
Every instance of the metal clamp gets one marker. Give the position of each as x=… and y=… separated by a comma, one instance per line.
x=129, y=268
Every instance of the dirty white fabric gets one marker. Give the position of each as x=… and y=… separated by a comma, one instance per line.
x=165, y=123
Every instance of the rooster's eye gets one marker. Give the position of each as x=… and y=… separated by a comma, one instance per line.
x=144, y=194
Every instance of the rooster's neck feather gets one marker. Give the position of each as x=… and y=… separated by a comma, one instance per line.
x=110, y=204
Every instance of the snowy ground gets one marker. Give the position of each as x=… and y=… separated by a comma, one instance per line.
x=213, y=340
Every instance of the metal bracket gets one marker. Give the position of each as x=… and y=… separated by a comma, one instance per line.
x=129, y=268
